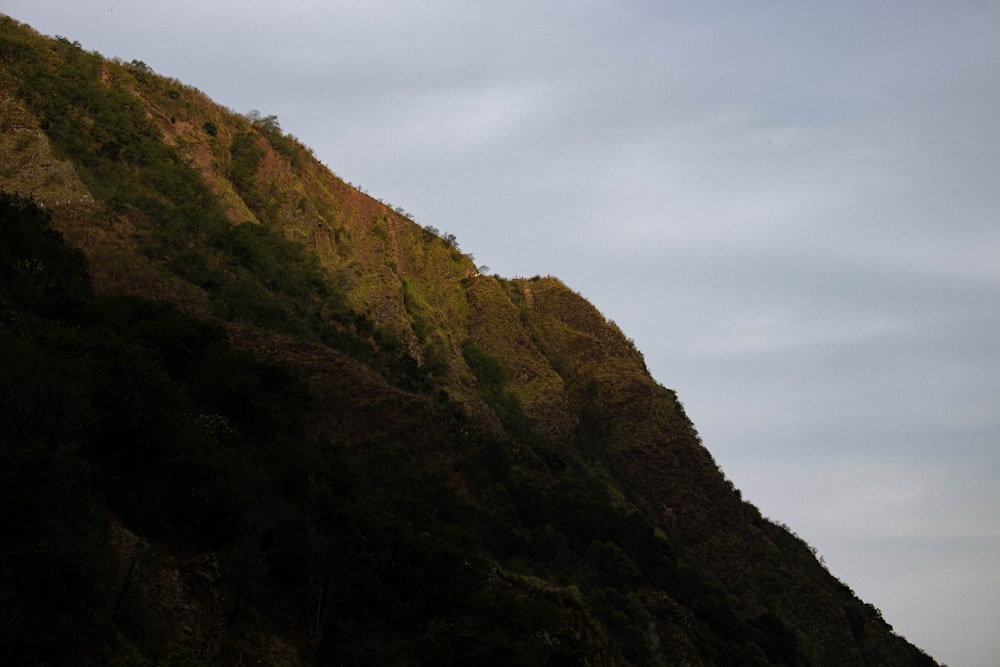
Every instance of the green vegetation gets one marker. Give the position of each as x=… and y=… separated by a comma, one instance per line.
x=212, y=477
x=270, y=128
x=124, y=407
x=494, y=388
x=251, y=272
x=117, y=149
x=130, y=408
x=246, y=157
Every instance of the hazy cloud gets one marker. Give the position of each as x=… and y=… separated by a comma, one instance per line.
x=792, y=207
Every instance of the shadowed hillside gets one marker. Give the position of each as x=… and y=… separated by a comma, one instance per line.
x=250, y=413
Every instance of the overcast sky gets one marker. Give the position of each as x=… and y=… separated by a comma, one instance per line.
x=792, y=207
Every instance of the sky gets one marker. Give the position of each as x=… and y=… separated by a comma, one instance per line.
x=793, y=208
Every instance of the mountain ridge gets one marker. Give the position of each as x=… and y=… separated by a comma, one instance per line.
x=511, y=409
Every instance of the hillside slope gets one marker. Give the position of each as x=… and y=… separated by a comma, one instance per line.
x=252, y=413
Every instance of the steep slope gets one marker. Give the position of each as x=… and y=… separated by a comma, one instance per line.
x=314, y=434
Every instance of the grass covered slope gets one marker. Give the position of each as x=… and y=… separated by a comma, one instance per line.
x=250, y=413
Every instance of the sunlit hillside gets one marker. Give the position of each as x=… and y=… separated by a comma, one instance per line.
x=251, y=414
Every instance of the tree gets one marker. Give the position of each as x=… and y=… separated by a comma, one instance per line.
x=268, y=124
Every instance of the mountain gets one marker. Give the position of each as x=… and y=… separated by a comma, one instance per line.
x=252, y=414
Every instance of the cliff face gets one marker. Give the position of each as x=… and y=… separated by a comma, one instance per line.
x=537, y=460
